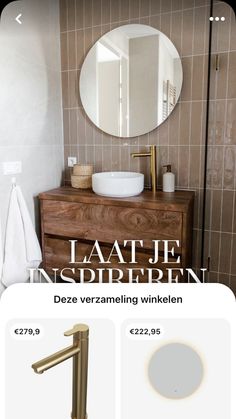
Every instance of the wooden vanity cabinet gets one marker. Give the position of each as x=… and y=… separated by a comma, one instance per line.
x=71, y=214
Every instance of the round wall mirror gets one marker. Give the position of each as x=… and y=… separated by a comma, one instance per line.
x=131, y=80
x=175, y=371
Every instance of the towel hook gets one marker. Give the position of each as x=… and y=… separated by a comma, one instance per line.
x=13, y=181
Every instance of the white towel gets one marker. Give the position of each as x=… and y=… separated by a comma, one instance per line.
x=22, y=250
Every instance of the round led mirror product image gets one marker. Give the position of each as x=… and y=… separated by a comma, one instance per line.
x=175, y=371
x=131, y=80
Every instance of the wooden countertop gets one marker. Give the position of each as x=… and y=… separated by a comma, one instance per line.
x=174, y=201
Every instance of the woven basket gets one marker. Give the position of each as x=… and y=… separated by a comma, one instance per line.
x=81, y=182
x=82, y=169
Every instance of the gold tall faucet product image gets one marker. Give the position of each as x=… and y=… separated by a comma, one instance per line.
x=79, y=352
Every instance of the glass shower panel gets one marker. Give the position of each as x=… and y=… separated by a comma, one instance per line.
x=220, y=210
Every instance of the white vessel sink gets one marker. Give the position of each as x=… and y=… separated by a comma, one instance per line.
x=118, y=184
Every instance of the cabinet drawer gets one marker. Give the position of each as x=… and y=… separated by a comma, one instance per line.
x=109, y=223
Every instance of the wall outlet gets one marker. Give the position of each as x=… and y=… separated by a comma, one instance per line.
x=71, y=161
x=12, y=167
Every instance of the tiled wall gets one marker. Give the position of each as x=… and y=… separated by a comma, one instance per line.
x=179, y=140
x=220, y=240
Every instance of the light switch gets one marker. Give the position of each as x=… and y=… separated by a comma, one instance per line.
x=12, y=167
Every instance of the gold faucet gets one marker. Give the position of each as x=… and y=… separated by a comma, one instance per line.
x=152, y=155
x=79, y=352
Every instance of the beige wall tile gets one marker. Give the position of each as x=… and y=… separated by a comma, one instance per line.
x=187, y=35
x=63, y=15
x=196, y=256
x=115, y=157
x=215, y=167
x=234, y=222
x=174, y=160
x=233, y=262
x=184, y=162
x=79, y=16
x=144, y=20
x=199, y=3
x=88, y=39
x=66, y=126
x=155, y=6
x=198, y=78
x=90, y=153
x=174, y=126
x=88, y=13
x=185, y=110
x=224, y=279
x=232, y=283
x=229, y=167
x=216, y=210
x=144, y=8
x=153, y=137
x=230, y=126
x=80, y=48
x=201, y=28
x=176, y=30
x=96, y=12
x=225, y=253
x=65, y=93
x=177, y=5
x=64, y=52
x=165, y=6
x=155, y=21
x=106, y=10
x=71, y=14
x=213, y=277
x=163, y=133
x=233, y=30
x=107, y=158
x=81, y=154
x=214, y=251
x=106, y=139
x=227, y=211
x=232, y=75
x=196, y=210
x=125, y=158
x=115, y=11
x=72, y=50
x=73, y=126
x=223, y=33
x=81, y=139
x=196, y=123
x=194, y=178
x=124, y=10
x=97, y=32
x=187, y=4
x=134, y=9
x=221, y=76
x=219, y=123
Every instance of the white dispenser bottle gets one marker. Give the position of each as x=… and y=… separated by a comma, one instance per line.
x=168, y=180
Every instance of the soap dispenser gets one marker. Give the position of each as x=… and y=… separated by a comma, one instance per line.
x=168, y=180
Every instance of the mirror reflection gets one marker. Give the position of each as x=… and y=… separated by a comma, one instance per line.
x=131, y=80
